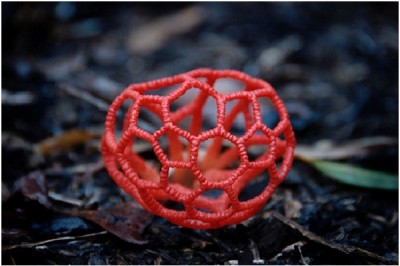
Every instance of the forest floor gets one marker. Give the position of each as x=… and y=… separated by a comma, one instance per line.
x=335, y=65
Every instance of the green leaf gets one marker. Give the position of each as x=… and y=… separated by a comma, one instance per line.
x=357, y=176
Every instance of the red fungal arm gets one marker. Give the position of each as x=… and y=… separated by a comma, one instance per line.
x=208, y=186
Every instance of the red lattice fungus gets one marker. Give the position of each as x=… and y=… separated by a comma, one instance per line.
x=200, y=179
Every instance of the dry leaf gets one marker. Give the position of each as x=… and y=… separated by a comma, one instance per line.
x=64, y=141
x=127, y=221
x=347, y=250
x=34, y=187
x=153, y=35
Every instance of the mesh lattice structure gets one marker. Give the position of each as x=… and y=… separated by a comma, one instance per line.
x=195, y=170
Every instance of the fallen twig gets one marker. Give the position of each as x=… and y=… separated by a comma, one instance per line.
x=61, y=198
x=85, y=96
x=64, y=238
x=327, y=150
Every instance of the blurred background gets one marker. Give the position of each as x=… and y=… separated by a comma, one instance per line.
x=335, y=65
